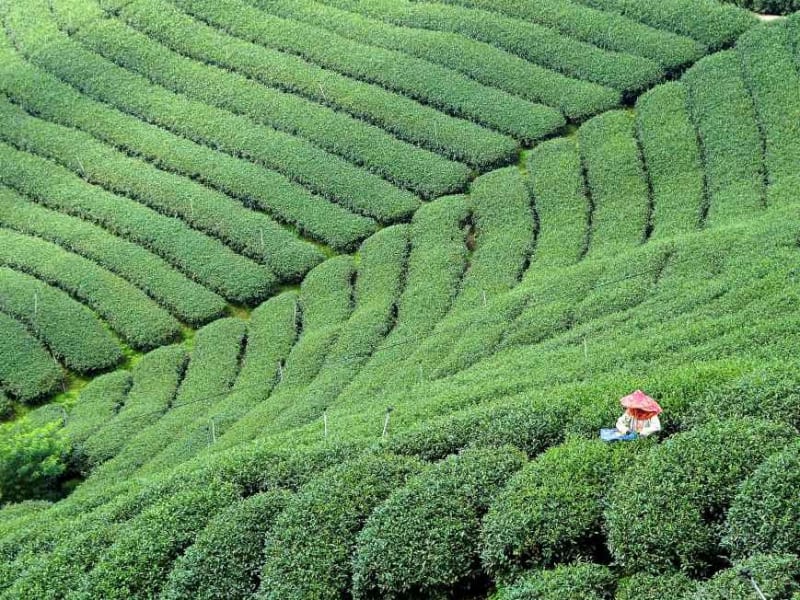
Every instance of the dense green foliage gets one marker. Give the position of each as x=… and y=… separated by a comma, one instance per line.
x=551, y=511
x=31, y=460
x=372, y=274
x=764, y=516
x=773, y=7
x=314, y=563
x=424, y=539
x=669, y=509
x=777, y=575
x=225, y=560
x=582, y=581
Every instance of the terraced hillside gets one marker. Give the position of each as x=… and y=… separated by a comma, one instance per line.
x=342, y=291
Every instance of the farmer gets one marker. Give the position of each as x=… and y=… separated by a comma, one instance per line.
x=640, y=416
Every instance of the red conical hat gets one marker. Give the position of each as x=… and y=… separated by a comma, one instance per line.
x=642, y=401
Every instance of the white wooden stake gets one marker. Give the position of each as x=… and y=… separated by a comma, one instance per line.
x=484, y=297
x=386, y=422
x=213, y=431
x=585, y=349
x=325, y=422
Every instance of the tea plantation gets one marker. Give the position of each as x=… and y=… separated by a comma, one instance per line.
x=328, y=299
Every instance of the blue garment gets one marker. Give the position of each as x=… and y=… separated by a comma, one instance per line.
x=614, y=435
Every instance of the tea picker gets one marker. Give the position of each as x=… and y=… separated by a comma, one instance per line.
x=639, y=419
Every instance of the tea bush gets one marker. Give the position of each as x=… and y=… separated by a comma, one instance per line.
x=668, y=509
x=423, y=540
x=581, y=581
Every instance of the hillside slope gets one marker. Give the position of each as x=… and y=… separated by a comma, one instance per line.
x=417, y=418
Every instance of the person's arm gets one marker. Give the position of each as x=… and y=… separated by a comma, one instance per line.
x=623, y=422
x=653, y=425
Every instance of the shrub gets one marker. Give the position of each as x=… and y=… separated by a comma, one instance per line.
x=768, y=391
x=309, y=547
x=772, y=77
x=31, y=461
x=501, y=213
x=6, y=407
x=299, y=160
x=668, y=509
x=773, y=7
x=409, y=120
x=225, y=560
x=778, y=576
x=431, y=84
x=340, y=134
x=672, y=155
x=212, y=369
x=126, y=309
x=707, y=21
x=582, y=581
x=608, y=30
x=97, y=404
x=665, y=586
x=271, y=333
x=249, y=232
x=557, y=185
x=72, y=332
x=156, y=378
x=490, y=66
x=551, y=511
x=138, y=562
x=765, y=516
x=187, y=300
x=27, y=371
x=423, y=541
x=537, y=44
x=723, y=113
x=615, y=175
x=209, y=261
x=43, y=94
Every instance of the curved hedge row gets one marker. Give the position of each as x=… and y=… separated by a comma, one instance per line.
x=187, y=300
x=41, y=93
x=156, y=378
x=562, y=208
x=407, y=119
x=765, y=515
x=300, y=161
x=724, y=115
x=778, y=576
x=582, y=580
x=665, y=586
x=669, y=510
x=271, y=333
x=672, y=156
x=537, y=44
x=126, y=309
x=72, y=333
x=401, y=163
x=772, y=7
x=304, y=562
x=212, y=369
x=246, y=231
x=27, y=371
x=616, y=182
x=137, y=564
x=225, y=560
x=423, y=541
x=551, y=511
x=608, y=30
x=206, y=260
x=98, y=402
x=450, y=92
